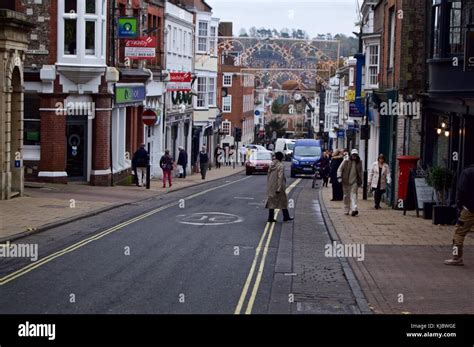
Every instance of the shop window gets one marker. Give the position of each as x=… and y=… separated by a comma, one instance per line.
x=31, y=129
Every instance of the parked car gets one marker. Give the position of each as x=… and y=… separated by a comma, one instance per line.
x=306, y=157
x=259, y=161
x=256, y=148
x=285, y=146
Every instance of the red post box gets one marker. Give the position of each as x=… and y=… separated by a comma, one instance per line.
x=406, y=164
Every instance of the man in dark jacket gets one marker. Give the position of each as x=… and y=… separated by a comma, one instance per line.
x=465, y=202
x=203, y=162
x=140, y=161
x=183, y=161
x=336, y=161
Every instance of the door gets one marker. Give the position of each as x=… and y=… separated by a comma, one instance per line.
x=76, y=137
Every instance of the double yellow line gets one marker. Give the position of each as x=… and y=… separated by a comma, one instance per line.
x=268, y=231
x=12, y=276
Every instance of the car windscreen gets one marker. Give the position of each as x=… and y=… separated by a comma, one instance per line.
x=307, y=151
x=261, y=156
x=291, y=146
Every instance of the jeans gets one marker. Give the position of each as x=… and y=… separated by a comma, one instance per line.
x=166, y=176
x=141, y=174
x=350, y=197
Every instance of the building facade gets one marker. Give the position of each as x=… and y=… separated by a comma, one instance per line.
x=13, y=45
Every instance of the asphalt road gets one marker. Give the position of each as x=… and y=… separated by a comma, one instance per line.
x=191, y=251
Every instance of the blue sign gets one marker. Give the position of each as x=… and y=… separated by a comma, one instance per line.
x=17, y=163
x=354, y=110
x=257, y=112
x=341, y=133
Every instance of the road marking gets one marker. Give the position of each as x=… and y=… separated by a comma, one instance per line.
x=14, y=275
x=209, y=218
x=243, y=295
x=243, y=198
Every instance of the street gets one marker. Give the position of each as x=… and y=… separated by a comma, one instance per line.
x=206, y=249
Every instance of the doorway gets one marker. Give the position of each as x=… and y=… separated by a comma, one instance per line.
x=76, y=142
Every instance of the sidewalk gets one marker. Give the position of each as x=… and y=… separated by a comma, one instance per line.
x=48, y=205
x=403, y=270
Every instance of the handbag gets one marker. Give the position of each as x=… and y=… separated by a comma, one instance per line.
x=180, y=169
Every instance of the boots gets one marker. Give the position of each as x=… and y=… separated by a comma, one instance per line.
x=457, y=258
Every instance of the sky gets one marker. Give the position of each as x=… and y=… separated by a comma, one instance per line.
x=313, y=16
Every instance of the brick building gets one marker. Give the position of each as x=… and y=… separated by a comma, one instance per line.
x=83, y=100
x=235, y=97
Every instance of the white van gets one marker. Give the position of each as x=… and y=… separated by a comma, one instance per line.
x=285, y=146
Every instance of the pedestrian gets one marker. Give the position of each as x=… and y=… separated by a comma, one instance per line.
x=182, y=162
x=379, y=178
x=141, y=159
x=218, y=156
x=350, y=175
x=324, y=165
x=167, y=165
x=465, y=203
x=249, y=153
x=231, y=156
x=276, y=189
x=203, y=162
x=243, y=154
x=336, y=161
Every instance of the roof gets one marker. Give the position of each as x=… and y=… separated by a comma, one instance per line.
x=307, y=142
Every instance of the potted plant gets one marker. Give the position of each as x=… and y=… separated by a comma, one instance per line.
x=441, y=179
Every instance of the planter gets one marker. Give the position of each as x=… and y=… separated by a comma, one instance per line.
x=444, y=215
x=428, y=209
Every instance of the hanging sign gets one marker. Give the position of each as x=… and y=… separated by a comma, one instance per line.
x=179, y=82
x=142, y=48
x=127, y=27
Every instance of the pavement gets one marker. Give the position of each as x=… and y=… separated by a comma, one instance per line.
x=44, y=206
x=403, y=270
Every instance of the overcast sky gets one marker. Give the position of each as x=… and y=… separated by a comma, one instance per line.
x=314, y=16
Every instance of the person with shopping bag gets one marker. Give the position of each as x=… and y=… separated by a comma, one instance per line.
x=182, y=162
x=167, y=165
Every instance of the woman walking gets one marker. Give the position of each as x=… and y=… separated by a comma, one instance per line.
x=379, y=177
x=276, y=186
x=167, y=165
x=325, y=168
x=336, y=161
x=203, y=162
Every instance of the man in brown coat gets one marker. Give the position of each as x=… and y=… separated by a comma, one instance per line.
x=350, y=175
x=276, y=194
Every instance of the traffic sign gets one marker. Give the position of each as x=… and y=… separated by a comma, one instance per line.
x=149, y=117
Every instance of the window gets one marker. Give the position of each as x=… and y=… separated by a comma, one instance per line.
x=201, y=98
x=175, y=33
x=227, y=104
x=202, y=36
x=70, y=36
x=90, y=38
x=212, y=91
x=456, y=39
x=436, y=29
x=226, y=126
x=227, y=80
x=391, y=59
x=169, y=38
x=184, y=39
x=373, y=66
x=180, y=41
x=212, y=41
x=31, y=130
